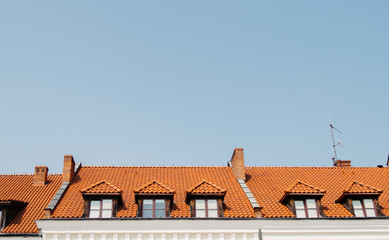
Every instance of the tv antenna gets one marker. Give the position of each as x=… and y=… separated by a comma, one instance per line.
x=335, y=158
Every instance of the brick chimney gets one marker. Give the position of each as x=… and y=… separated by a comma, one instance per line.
x=68, y=168
x=237, y=164
x=343, y=163
x=40, y=176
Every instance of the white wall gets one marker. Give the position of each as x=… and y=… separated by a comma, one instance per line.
x=189, y=229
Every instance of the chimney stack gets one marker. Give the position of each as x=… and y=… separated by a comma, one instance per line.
x=68, y=168
x=40, y=176
x=343, y=163
x=237, y=164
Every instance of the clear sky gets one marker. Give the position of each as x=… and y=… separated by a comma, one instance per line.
x=180, y=83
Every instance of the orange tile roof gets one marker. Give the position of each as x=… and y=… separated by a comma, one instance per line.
x=300, y=187
x=356, y=187
x=19, y=188
x=205, y=187
x=268, y=185
x=177, y=178
x=154, y=187
x=102, y=187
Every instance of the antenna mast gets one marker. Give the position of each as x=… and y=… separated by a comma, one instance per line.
x=335, y=158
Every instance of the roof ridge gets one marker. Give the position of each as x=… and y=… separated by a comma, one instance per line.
x=154, y=167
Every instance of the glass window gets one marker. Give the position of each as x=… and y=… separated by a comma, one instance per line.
x=306, y=208
x=206, y=208
x=364, y=208
x=100, y=208
x=154, y=208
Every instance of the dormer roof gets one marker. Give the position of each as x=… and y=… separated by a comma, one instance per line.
x=359, y=189
x=154, y=187
x=206, y=188
x=302, y=189
x=101, y=188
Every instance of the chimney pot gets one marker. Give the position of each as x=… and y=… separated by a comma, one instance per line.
x=40, y=176
x=237, y=164
x=68, y=168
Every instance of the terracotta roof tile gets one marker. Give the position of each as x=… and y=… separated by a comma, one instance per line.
x=205, y=187
x=131, y=178
x=356, y=187
x=300, y=187
x=154, y=187
x=102, y=187
x=19, y=188
x=268, y=186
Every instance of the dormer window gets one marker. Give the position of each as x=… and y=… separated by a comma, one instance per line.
x=154, y=200
x=8, y=210
x=1, y=219
x=154, y=208
x=101, y=208
x=101, y=200
x=206, y=200
x=361, y=200
x=364, y=208
x=206, y=208
x=306, y=208
x=304, y=200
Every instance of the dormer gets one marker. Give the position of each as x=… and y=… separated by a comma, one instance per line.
x=304, y=200
x=361, y=200
x=101, y=200
x=206, y=200
x=8, y=210
x=154, y=200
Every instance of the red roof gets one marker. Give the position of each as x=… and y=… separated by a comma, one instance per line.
x=19, y=188
x=158, y=179
x=269, y=184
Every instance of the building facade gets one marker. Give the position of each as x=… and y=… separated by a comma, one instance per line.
x=231, y=202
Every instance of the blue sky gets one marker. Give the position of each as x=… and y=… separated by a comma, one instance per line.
x=174, y=83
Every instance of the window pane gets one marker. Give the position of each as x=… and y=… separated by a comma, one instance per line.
x=159, y=204
x=370, y=212
x=300, y=213
x=299, y=204
x=368, y=203
x=357, y=204
x=200, y=213
x=212, y=213
x=200, y=204
x=106, y=214
x=147, y=204
x=359, y=213
x=95, y=204
x=94, y=213
x=311, y=203
x=312, y=213
x=147, y=213
x=107, y=204
x=212, y=204
x=159, y=213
